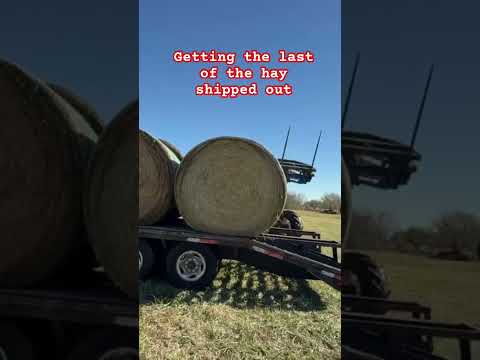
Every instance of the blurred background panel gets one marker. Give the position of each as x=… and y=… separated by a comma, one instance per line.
x=89, y=47
x=420, y=223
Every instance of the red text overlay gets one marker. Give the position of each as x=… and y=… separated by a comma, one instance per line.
x=225, y=63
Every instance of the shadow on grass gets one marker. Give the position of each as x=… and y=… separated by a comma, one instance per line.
x=240, y=286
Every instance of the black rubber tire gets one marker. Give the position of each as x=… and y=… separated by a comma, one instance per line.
x=371, y=280
x=147, y=258
x=295, y=220
x=282, y=223
x=14, y=344
x=99, y=343
x=346, y=203
x=211, y=266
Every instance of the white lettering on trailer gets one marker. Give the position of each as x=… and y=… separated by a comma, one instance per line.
x=202, y=241
x=268, y=253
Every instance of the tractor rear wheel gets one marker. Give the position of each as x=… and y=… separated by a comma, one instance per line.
x=290, y=220
x=362, y=276
x=295, y=220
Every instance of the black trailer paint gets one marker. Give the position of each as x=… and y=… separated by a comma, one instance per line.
x=56, y=320
x=409, y=336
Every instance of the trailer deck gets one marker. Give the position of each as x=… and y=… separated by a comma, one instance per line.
x=61, y=318
x=87, y=307
x=304, y=252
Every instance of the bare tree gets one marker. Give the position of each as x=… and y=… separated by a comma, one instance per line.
x=370, y=230
x=313, y=205
x=414, y=240
x=459, y=231
x=295, y=201
x=331, y=201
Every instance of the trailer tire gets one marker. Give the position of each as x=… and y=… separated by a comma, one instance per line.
x=108, y=345
x=191, y=266
x=146, y=259
x=14, y=344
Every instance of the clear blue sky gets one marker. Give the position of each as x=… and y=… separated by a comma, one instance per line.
x=169, y=108
x=388, y=89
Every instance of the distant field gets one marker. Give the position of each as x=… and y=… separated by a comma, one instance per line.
x=328, y=225
x=246, y=314
x=450, y=288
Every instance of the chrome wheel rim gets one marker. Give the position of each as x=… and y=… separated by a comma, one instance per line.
x=191, y=266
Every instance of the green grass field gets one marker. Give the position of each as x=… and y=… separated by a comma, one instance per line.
x=327, y=225
x=450, y=288
x=246, y=314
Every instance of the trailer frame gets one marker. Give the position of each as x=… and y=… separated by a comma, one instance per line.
x=56, y=319
x=409, y=336
x=302, y=252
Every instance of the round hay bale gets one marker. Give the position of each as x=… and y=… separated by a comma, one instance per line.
x=87, y=111
x=111, y=200
x=44, y=149
x=230, y=186
x=157, y=169
x=173, y=149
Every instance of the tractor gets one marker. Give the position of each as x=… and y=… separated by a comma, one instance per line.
x=289, y=222
x=377, y=162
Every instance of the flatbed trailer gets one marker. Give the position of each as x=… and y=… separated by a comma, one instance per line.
x=191, y=258
x=62, y=321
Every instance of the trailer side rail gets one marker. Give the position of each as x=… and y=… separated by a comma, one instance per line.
x=62, y=306
x=396, y=331
x=323, y=267
x=292, y=232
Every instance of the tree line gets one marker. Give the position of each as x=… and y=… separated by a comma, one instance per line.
x=454, y=235
x=330, y=202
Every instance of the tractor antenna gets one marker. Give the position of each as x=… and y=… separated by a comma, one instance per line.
x=316, y=148
x=420, y=110
x=286, y=142
x=349, y=94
